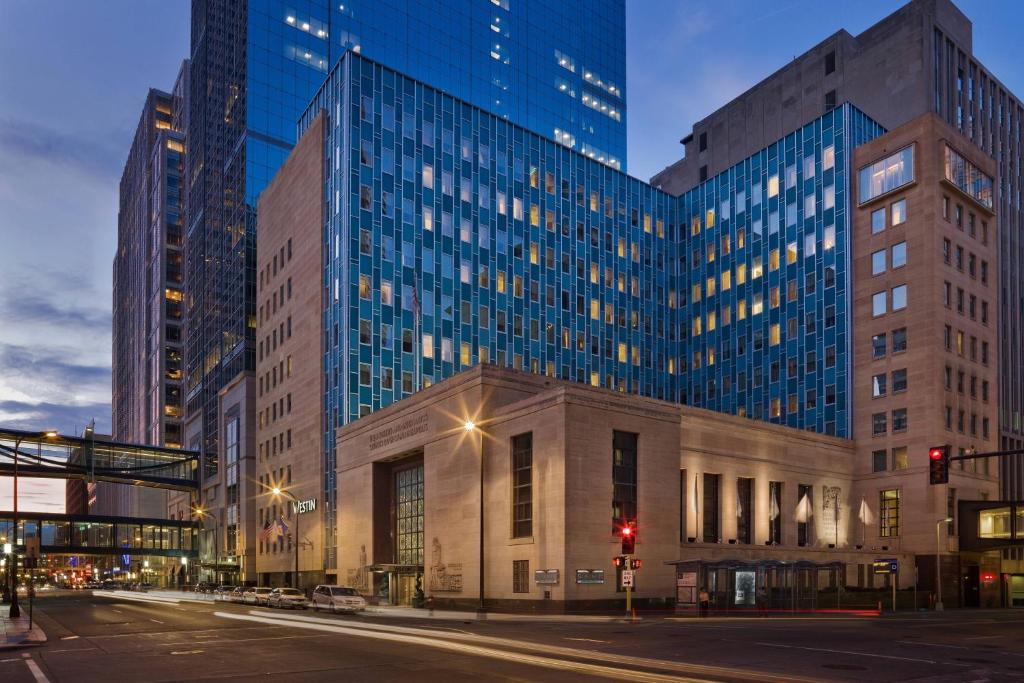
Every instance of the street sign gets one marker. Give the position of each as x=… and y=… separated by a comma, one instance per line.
x=589, y=576
x=627, y=578
x=885, y=566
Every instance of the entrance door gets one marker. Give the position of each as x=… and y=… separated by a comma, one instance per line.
x=971, y=587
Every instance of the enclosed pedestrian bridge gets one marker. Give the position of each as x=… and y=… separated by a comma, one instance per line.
x=51, y=455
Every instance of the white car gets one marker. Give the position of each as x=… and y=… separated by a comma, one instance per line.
x=256, y=596
x=290, y=598
x=337, y=599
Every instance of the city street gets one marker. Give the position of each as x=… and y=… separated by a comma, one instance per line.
x=94, y=638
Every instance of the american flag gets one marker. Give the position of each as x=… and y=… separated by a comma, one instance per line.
x=267, y=532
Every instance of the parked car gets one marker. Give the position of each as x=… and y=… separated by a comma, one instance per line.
x=204, y=587
x=256, y=596
x=289, y=598
x=238, y=594
x=222, y=592
x=337, y=599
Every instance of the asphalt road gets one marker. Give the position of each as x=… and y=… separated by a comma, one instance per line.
x=110, y=640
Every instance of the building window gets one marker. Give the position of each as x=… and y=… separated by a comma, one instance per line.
x=710, y=508
x=878, y=461
x=878, y=345
x=889, y=513
x=878, y=424
x=878, y=262
x=830, y=62
x=900, y=461
x=899, y=255
x=899, y=340
x=624, y=467
x=804, y=514
x=877, y=221
x=878, y=303
x=744, y=511
x=886, y=175
x=409, y=515
x=899, y=298
x=775, y=512
x=522, y=485
x=520, y=576
x=878, y=385
x=899, y=380
x=899, y=420
x=899, y=212
x=968, y=178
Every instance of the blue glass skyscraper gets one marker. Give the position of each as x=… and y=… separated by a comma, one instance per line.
x=557, y=68
x=454, y=237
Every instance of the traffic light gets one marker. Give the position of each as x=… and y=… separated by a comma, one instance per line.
x=938, y=465
x=619, y=561
x=628, y=539
x=635, y=564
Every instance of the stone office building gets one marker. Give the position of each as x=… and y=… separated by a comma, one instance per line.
x=547, y=472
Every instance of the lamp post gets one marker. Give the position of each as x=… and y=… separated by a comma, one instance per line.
x=938, y=563
x=216, y=532
x=471, y=428
x=277, y=491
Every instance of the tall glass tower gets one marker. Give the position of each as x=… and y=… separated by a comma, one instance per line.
x=556, y=68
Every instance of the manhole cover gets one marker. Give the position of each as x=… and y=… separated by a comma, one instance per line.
x=844, y=667
x=973, y=660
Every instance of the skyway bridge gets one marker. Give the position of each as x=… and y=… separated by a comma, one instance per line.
x=51, y=455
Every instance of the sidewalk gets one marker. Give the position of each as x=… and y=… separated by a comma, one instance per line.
x=15, y=632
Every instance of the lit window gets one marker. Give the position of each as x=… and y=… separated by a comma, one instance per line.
x=773, y=186
x=886, y=175
x=830, y=238
x=428, y=345
x=773, y=334
x=899, y=212
x=828, y=157
x=428, y=176
x=791, y=253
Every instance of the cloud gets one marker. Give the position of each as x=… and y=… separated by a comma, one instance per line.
x=35, y=307
x=96, y=153
x=69, y=419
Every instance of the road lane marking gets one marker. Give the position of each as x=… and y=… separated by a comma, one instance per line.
x=858, y=654
x=535, y=660
x=186, y=652
x=77, y=649
x=588, y=640
x=156, y=621
x=627, y=660
x=37, y=673
x=68, y=637
x=921, y=642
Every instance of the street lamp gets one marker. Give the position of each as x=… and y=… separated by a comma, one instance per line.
x=277, y=491
x=216, y=532
x=938, y=563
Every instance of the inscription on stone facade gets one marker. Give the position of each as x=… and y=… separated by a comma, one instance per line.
x=403, y=430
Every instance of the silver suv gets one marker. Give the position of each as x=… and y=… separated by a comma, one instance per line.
x=337, y=599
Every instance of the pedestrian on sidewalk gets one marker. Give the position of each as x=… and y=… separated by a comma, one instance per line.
x=703, y=601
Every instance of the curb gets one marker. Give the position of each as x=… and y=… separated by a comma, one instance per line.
x=35, y=638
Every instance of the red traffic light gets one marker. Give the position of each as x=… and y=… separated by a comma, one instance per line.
x=935, y=454
x=627, y=531
x=618, y=561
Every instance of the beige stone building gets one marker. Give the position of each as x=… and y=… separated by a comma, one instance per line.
x=557, y=468
x=924, y=343
x=288, y=372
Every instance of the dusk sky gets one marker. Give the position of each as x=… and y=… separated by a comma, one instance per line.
x=73, y=77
